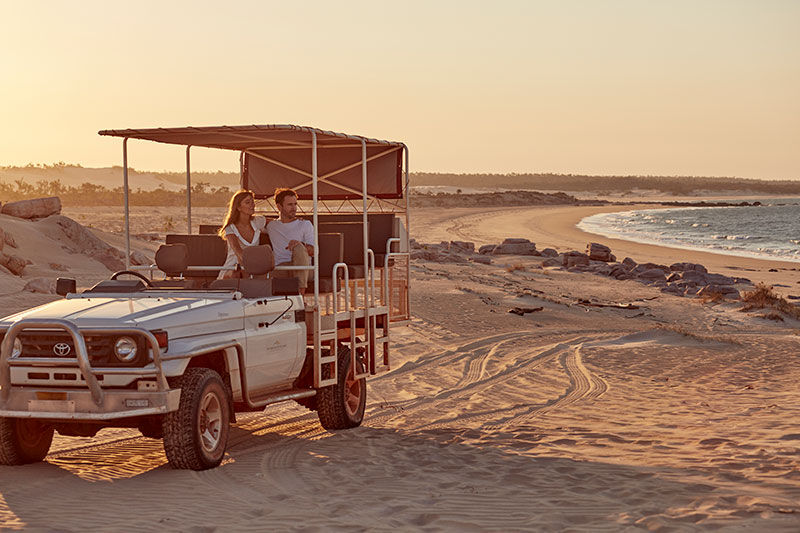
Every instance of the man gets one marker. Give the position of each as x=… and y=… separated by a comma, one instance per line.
x=292, y=238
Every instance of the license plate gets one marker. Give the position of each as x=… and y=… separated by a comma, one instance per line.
x=51, y=406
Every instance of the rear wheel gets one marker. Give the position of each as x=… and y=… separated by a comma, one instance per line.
x=24, y=440
x=341, y=406
x=196, y=435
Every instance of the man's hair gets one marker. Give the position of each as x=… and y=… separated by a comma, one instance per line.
x=281, y=193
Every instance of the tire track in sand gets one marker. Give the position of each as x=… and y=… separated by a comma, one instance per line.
x=584, y=385
x=522, y=363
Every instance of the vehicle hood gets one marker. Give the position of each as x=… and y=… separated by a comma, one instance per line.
x=150, y=312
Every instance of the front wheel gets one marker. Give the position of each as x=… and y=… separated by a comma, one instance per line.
x=341, y=406
x=196, y=435
x=24, y=440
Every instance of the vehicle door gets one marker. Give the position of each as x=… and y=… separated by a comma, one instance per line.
x=274, y=342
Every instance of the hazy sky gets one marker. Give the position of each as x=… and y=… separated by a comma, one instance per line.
x=601, y=87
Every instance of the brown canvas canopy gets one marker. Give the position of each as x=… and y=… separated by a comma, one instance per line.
x=282, y=156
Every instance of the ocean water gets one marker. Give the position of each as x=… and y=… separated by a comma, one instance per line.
x=769, y=231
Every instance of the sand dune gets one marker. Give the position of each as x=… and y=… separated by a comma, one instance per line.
x=673, y=416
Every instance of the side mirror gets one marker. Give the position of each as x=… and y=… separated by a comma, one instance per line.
x=65, y=286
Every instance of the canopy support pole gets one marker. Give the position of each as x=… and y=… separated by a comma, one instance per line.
x=188, y=192
x=316, y=310
x=127, y=211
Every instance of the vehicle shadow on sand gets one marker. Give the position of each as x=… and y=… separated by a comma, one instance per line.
x=301, y=477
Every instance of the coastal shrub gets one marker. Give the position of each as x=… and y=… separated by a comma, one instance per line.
x=764, y=296
x=712, y=297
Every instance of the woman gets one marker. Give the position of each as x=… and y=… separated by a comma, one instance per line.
x=240, y=229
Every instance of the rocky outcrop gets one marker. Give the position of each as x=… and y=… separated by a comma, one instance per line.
x=9, y=240
x=42, y=285
x=468, y=247
x=35, y=208
x=680, y=279
x=688, y=267
x=81, y=240
x=13, y=263
x=515, y=246
x=575, y=258
x=138, y=258
x=599, y=252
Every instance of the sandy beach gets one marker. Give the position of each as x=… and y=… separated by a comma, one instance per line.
x=640, y=411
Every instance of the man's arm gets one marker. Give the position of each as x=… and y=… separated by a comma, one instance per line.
x=308, y=238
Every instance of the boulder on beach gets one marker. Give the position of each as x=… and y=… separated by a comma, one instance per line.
x=515, y=246
x=35, y=208
x=688, y=267
x=549, y=252
x=138, y=258
x=600, y=252
x=42, y=285
x=462, y=246
x=574, y=258
x=9, y=240
x=13, y=263
x=727, y=291
x=81, y=240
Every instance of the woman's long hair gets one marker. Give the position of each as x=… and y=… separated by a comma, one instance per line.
x=233, y=209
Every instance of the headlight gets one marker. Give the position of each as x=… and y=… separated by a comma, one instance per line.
x=125, y=349
x=16, y=351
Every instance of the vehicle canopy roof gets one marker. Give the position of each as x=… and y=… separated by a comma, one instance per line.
x=282, y=155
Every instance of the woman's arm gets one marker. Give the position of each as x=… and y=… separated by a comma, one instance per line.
x=235, y=245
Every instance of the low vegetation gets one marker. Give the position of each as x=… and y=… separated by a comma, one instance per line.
x=86, y=194
x=764, y=297
x=677, y=185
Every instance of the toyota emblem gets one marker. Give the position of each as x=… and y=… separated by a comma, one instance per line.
x=61, y=349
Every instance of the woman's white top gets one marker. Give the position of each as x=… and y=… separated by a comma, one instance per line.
x=258, y=224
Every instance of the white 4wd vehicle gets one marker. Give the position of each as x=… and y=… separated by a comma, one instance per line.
x=177, y=354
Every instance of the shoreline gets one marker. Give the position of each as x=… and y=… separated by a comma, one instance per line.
x=556, y=227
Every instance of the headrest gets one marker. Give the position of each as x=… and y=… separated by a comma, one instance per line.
x=258, y=260
x=172, y=259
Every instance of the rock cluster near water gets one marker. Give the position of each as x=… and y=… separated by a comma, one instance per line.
x=680, y=279
x=461, y=251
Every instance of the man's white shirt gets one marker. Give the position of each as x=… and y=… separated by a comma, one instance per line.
x=280, y=234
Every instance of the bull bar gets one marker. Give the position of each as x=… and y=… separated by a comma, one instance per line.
x=95, y=403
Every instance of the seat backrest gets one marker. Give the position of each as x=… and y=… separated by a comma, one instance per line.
x=331, y=251
x=208, y=229
x=203, y=250
x=381, y=227
x=250, y=288
x=258, y=260
x=172, y=259
x=353, y=237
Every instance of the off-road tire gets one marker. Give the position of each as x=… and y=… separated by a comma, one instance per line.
x=189, y=442
x=24, y=440
x=341, y=406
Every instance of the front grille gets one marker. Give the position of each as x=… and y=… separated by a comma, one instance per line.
x=56, y=344
x=49, y=344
